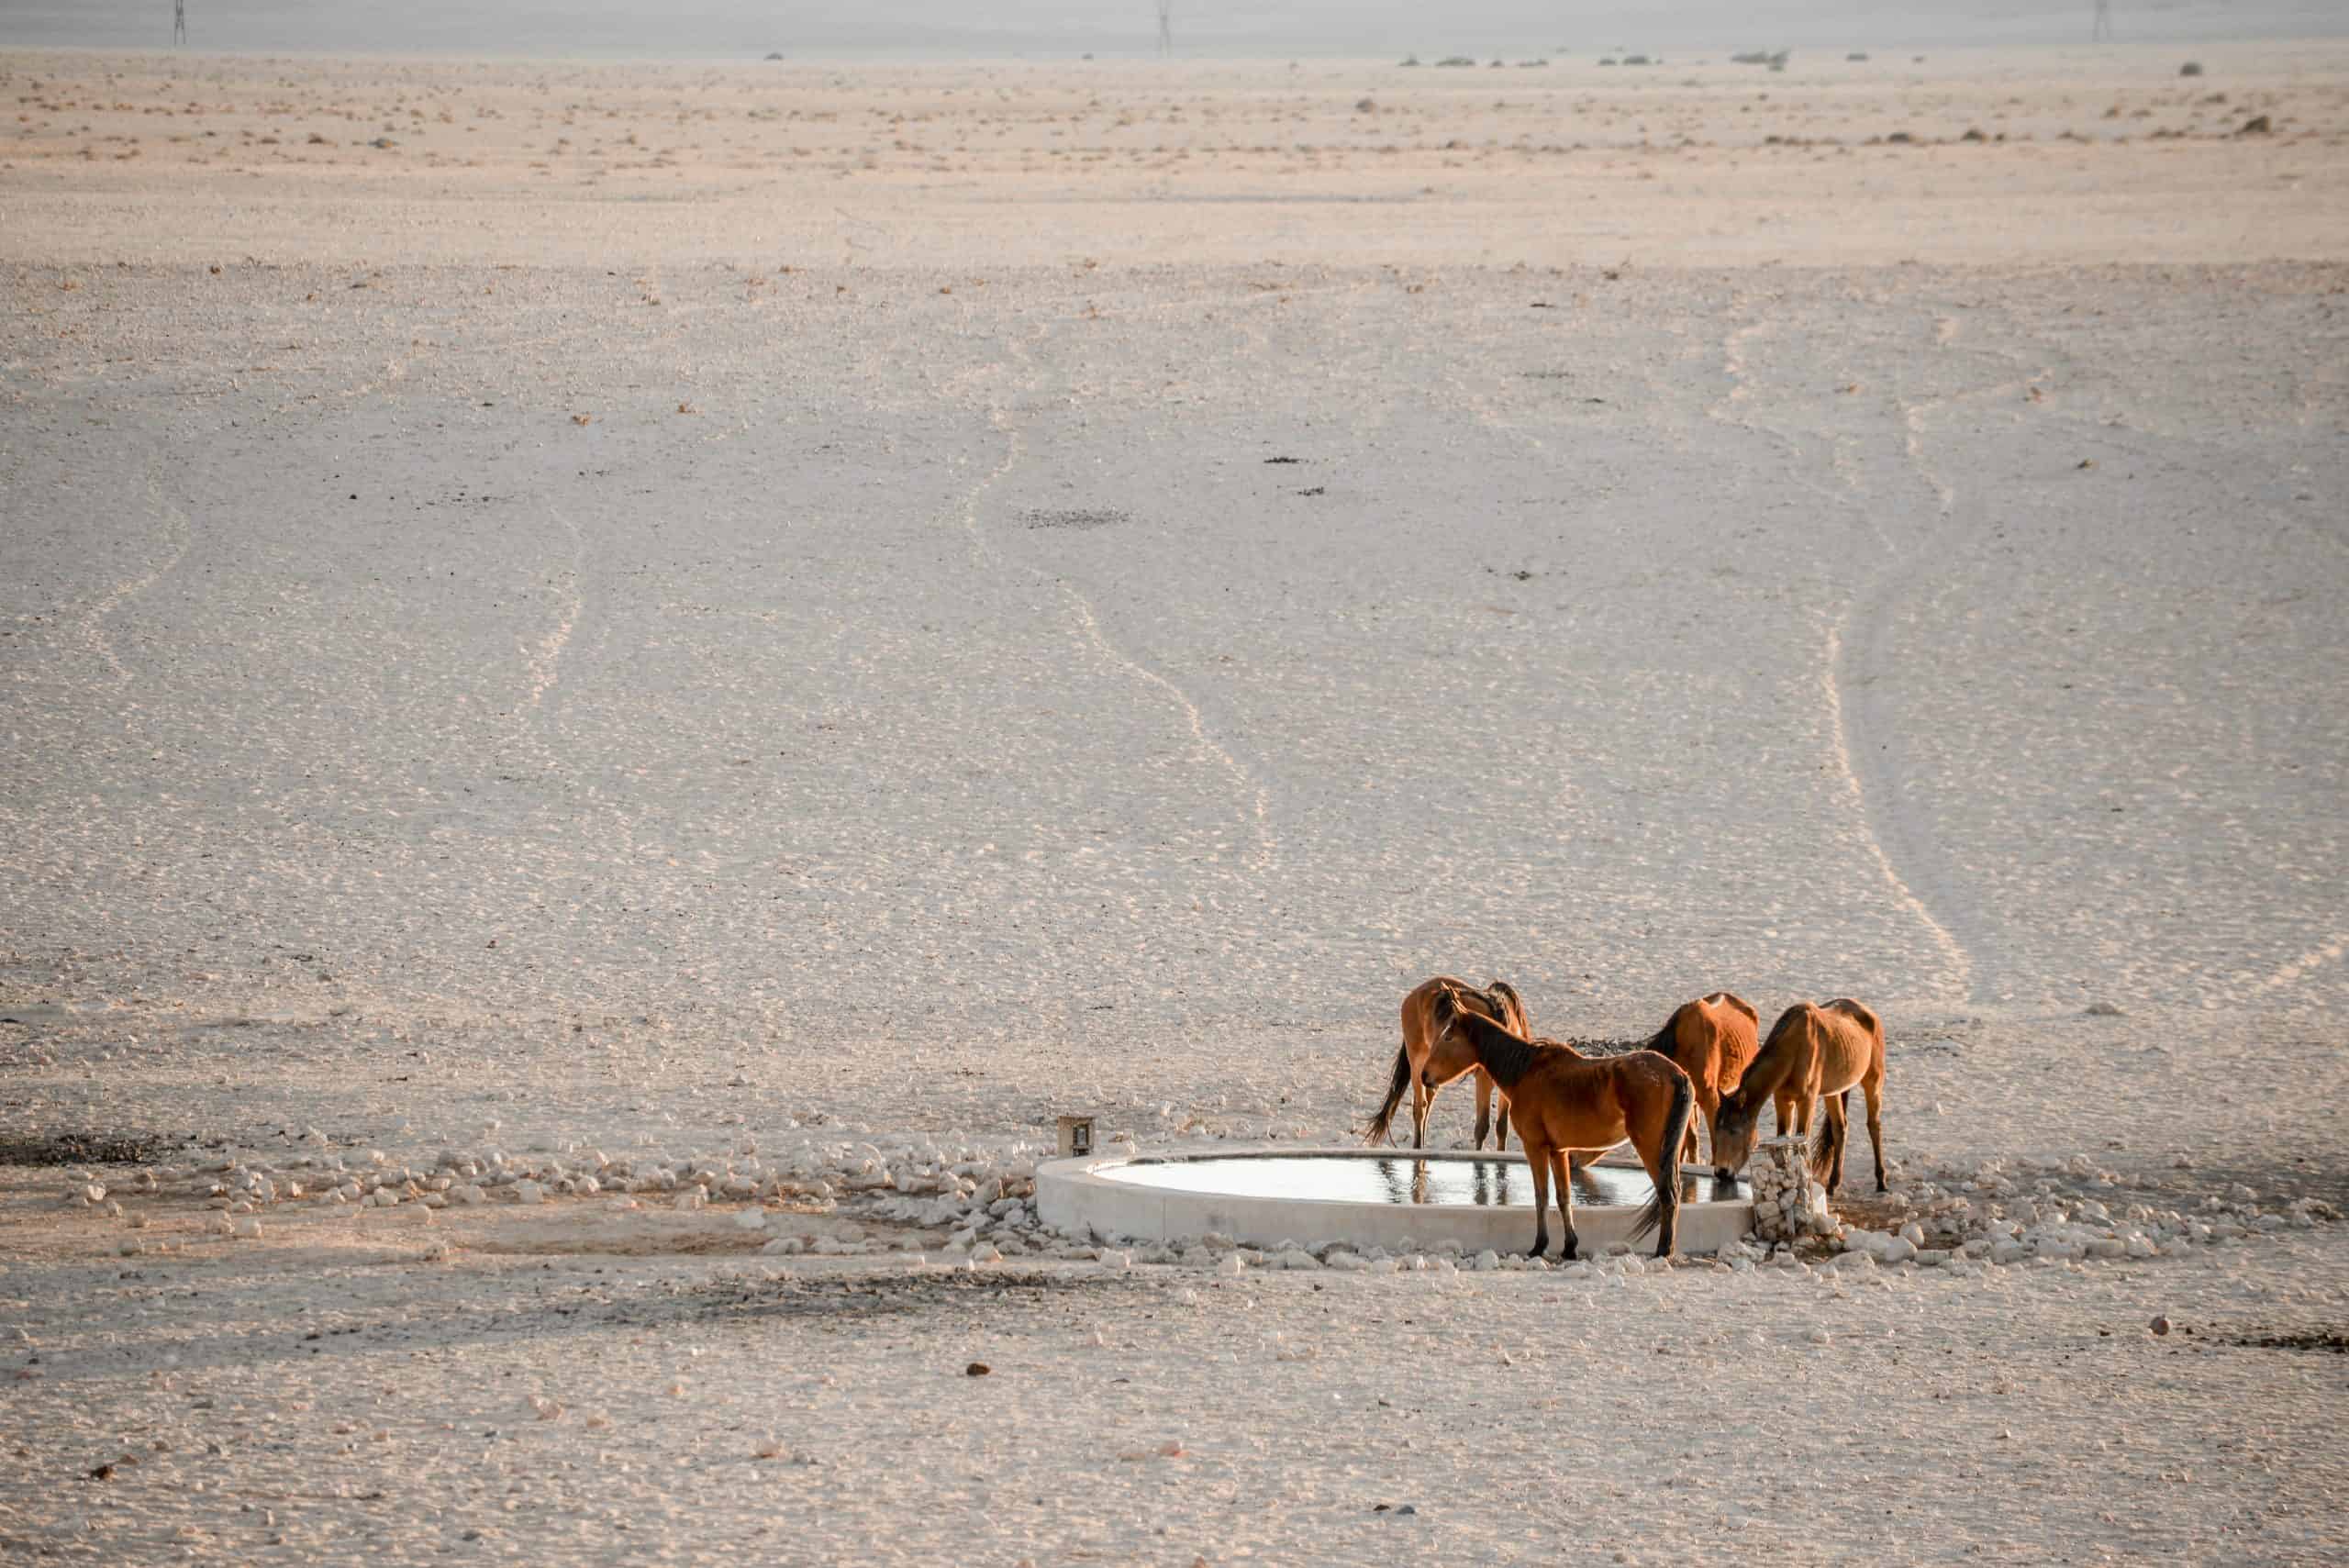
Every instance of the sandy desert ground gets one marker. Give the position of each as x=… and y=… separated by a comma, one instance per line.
x=808, y=619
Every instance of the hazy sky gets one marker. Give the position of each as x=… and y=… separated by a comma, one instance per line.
x=736, y=28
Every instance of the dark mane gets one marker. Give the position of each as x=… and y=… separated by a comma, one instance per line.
x=1503, y=1054
x=1507, y=1004
x=1667, y=1038
x=1499, y=1052
x=1785, y=1020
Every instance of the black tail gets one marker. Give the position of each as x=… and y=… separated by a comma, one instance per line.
x=1822, y=1142
x=1376, y=1132
x=1666, y=1200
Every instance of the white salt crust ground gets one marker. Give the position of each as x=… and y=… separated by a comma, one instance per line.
x=898, y=715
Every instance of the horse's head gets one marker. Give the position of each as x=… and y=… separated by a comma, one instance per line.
x=1735, y=1126
x=1450, y=1051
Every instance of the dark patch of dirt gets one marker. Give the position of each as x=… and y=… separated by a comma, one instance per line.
x=1860, y=1203
x=2290, y=1178
x=88, y=1149
x=2331, y=1339
x=883, y=1295
x=1076, y=517
x=1603, y=1047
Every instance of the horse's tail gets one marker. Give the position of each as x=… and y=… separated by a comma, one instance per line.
x=1822, y=1140
x=1376, y=1132
x=1512, y=1008
x=1676, y=1131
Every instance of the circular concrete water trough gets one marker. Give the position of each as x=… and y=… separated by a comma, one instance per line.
x=1370, y=1197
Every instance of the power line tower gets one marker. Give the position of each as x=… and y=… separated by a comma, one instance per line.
x=1166, y=26
x=2100, y=31
x=179, y=23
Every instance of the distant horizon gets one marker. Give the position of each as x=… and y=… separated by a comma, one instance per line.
x=707, y=31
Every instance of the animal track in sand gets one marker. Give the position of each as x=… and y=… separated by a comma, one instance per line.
x=1863, y=742
x=1870, y=745
x=1258, y=801
x=545, y=663
x=93, y=627
x=1256, y=807
x=1842, y=728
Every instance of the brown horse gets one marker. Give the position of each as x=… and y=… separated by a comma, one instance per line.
x=1713, y=1039
x=1565, y=1101
x=1499, y=1002
x=1814, y=1053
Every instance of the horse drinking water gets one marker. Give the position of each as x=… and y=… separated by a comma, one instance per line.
x=1713, y=1039
x=1814, y=1053
x=1566, y=1102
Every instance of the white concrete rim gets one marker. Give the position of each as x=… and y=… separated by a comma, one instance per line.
x=1073, y=1196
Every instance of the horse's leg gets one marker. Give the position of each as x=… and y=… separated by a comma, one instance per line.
x=1501, y=1126
x=1564, y=1177
x=1872, y=1087
x=1540, y=1160
x=1798, y=1125
x=1484, y=1106
x=1423, y=1098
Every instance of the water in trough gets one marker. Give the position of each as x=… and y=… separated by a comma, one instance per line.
x=1454, y=1180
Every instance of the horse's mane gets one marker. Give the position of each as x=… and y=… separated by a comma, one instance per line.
x=1785, y=1021
x=1506, y=1002
x=1500, y=1054
x=1667, y=1041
